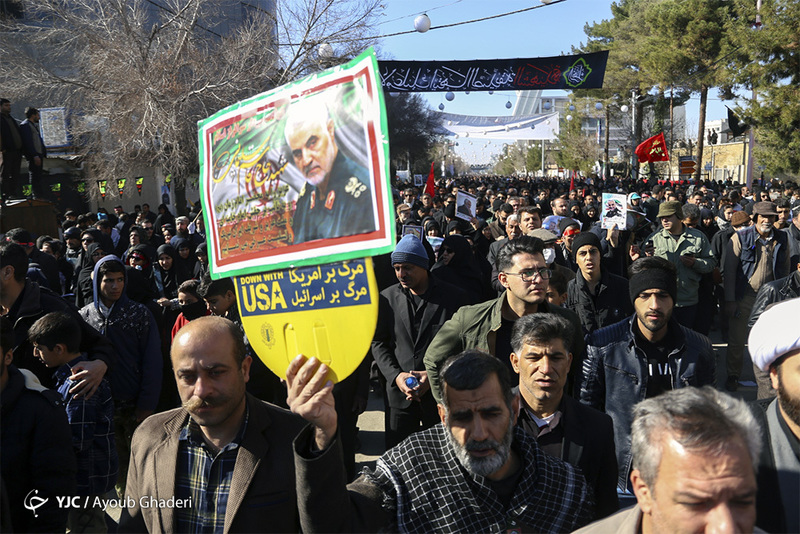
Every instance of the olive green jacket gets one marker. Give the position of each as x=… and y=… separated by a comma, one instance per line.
x=692, y=242
x=476, y=326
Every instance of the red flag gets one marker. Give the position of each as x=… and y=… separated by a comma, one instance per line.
x=572, y=182
x=653, y=149
x=429, y=189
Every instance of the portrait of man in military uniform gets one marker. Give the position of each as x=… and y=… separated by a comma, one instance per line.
x=465, y=206
x=336, y=200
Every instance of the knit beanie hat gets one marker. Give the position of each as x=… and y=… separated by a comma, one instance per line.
x=410, y=250
x=582, y=239
x=653, y=279
x=565, y=223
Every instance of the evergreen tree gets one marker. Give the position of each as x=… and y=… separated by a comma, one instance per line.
x=768, y=61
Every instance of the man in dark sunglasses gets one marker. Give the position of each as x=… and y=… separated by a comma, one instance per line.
x=86, y=240
x=487, y=326
x=154, y=239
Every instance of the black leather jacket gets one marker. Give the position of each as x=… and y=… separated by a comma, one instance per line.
x=615, y=376
x=781, y=289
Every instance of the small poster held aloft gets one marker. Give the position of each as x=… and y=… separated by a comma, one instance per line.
x=419, y=180
x=615, y=211
x=465, y=206
x=412, y=229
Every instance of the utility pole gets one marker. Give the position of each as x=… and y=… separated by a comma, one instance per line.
x=671, y=130
x=543, y=141
x=634, y=159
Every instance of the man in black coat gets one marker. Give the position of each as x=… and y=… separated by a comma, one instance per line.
x=643, y=356
x=410, y=314
x=564, y=428
x=11, y=145
x=37, y=460
x=597, y=296
x=34, y=149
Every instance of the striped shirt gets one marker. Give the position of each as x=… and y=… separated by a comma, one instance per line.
x=204, y=477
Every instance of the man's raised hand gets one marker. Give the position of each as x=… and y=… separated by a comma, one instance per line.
x=310, y=395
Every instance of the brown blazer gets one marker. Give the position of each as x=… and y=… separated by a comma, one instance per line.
x=262, y=496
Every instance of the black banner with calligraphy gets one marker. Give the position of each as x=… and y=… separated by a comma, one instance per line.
x=581, y=71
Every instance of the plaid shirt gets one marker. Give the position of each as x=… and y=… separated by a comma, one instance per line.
x=427, y=489
x=92, y=424
x=205, y=478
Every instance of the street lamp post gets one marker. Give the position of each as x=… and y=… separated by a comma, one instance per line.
x=543, y=142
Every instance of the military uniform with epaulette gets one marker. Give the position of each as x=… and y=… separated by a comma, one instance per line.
x=346, y=208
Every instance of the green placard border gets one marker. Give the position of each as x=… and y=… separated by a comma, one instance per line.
x=314, y=259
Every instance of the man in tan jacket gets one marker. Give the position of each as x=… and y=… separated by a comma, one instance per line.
x=223, y=462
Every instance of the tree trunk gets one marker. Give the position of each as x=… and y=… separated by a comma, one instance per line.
x=637, y=131
x=701, y=130
x=180, y=197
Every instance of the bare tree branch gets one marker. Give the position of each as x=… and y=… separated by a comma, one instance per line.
x=138, y=75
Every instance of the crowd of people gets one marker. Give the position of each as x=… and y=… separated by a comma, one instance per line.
x=539, y=372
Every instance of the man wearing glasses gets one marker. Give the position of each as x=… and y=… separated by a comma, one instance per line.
x=153, y=239
x=487, y=326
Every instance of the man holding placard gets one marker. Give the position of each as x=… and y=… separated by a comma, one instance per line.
x=223, y=460
x=473, y=472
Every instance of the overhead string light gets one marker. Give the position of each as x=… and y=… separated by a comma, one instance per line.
x=422, y=23
x=415, y=30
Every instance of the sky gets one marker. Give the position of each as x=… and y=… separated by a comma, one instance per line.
x=549, y=30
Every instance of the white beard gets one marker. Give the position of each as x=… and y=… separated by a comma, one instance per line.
x=487, y=465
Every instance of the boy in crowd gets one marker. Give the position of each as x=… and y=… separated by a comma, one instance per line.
x=56, y=339
x=557, y=290
x=132, y=329
x=192, y=305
